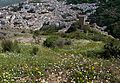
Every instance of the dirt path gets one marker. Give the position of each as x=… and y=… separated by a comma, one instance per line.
x=29, y=39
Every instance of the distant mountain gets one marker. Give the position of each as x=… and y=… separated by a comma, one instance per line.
x=9, y=2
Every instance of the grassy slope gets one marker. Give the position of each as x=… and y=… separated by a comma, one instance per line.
x=17, y=67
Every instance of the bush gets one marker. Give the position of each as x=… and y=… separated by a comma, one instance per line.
x=74, y=27
x=112, y=49
x=10, y=46
x=60, y=43
x=92, y=54
x=68, y=42
x=35, y=50
x=95, y=36
x=50, y=42
x=35, y=33
x=7, y=45
x=56, y=42
x=48, y=29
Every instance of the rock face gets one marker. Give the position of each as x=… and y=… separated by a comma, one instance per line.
x=35, y=15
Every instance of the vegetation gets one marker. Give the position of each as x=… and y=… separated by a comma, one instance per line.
x=112, y=49
x=82, y=55
x=74, y=56
x=79, y=56
x=69, y=61
x=50, y=42
x=8, y=45
x=35, y=50
x=87, y=35
x=55, y=41
x=47, y=29
x=108, y=14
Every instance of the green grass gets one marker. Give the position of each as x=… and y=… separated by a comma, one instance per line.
x=82, y=47
x=28, y=62
x=26, y=68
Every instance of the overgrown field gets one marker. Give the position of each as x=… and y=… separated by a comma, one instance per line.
x=78, y=62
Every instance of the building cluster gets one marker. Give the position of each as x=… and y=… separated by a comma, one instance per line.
x=36, y=15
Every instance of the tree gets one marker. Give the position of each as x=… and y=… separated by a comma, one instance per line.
x=114, y=29
x=108, y=14
x=112, y=49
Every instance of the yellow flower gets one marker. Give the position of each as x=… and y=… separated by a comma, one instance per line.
x=36, y=68
x=80, y=73
x=26, y=66
x=93, y=67
x=39, y=72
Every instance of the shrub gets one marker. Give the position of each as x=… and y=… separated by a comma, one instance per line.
x=112, y=49
x=92, y=54
x=95, y=36
x=74, y=27
x=7, y=45
x=56, y=42
x=68, y=42
x=60, y=43
x=36, y=33
x=10, y=46
x=35, y=50
x=50, y=42
x=49, y=29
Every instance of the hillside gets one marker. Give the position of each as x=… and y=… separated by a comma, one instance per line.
x=53, y=42
x=76, y=62
x=108, y=14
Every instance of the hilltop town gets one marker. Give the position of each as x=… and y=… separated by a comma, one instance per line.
x=29, y=15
